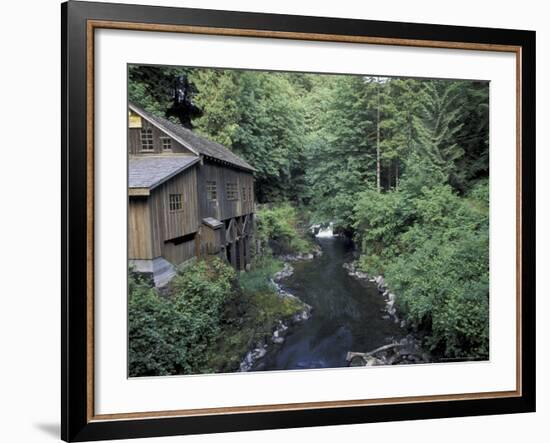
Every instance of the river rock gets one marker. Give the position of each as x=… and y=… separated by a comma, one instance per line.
x=301, y=256
x=372, y=361
x=352, y=271
x=252, y=357
x=287, y=271
x=259, y=353
x=302, y=316
x=357, y=361
x=280, y=330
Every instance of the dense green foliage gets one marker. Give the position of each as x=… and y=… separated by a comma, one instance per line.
x=250, y=319
x=258, y=279
x=171, y=335
x=208, y=321
x=433, y=248
x=282, y=228
x=399, y=164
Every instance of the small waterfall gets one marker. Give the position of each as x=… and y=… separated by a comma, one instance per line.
x=326, y=232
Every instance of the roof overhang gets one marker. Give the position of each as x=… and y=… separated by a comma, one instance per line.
x=225, y=163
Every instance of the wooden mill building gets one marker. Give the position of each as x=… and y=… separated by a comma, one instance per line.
x=188, y=197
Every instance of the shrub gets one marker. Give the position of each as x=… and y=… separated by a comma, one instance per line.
x=281, y=228
x=171, y=335
x=258, y=279
x=152, y=330
x=207, y=322
x=433, y=249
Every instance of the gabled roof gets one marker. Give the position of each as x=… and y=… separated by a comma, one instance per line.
x=192, y=141
x=149, y=171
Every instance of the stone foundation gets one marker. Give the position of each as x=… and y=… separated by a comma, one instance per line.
x=159, y=270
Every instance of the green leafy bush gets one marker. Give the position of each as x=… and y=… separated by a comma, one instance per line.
x=258, y=279
x=171, y=335
x=154, y=341
x=207, y=322
x=281, y=228
x=433, y=249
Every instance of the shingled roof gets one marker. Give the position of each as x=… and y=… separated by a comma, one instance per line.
x=152, y=170
x=192, y=141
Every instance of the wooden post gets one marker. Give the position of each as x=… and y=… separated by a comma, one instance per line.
x=233, y=254
x=198, y=243
x=378, y=135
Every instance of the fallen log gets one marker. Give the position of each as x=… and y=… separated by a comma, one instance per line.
x=365, y=355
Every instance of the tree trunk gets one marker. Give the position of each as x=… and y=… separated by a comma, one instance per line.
x=378, y=138
x=397, y=174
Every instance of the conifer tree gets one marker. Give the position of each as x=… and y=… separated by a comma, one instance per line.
x=436, y=128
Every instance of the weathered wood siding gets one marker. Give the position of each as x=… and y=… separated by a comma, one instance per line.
x=134, y=141
x=166, y=224
x=139, y=229
x=155, y=230
x=223, y=208
x=211, y=240
x=178, y=253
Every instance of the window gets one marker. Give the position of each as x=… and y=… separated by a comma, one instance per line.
x=147, y=140
x=166, y=143
x=175, y=202
x=232, y=191
x=245, y=194
x=211, y=191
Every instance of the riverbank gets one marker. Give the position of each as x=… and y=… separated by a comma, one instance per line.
x=207, y=318
x=283, y=239
x=405, y=351
x=284, y=325
x=348, y=315
x=253, y=318
x=388, y=297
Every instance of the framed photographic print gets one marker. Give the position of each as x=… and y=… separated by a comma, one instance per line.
x=279, y=221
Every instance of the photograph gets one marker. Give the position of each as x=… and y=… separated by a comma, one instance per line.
x=305, y=220
x=276, y=220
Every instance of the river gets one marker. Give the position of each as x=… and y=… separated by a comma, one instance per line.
x=348, y=315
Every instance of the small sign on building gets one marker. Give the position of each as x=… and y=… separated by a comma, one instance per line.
x=134, y=120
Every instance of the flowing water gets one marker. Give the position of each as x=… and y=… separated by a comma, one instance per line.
x=348, y=315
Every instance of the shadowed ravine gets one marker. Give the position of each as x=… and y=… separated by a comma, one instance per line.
x=347, y=314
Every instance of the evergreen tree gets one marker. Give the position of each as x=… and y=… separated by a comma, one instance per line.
x=437, y=148
x=164, y=91
x=399, y=163
x=342, y=160
x=401, y=105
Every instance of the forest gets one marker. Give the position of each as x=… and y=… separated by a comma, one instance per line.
x=398, y=165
